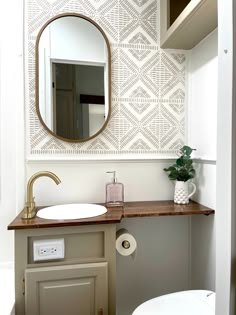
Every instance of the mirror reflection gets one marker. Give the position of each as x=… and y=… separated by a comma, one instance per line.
x=72, y=80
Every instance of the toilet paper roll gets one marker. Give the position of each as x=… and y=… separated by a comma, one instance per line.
x=126, y=244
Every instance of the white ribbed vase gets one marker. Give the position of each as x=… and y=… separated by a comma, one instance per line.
x=182, y=195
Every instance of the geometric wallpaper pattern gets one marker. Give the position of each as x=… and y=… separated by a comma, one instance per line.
x=148, y=83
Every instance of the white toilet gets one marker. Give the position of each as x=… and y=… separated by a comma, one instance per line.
x=194, y=302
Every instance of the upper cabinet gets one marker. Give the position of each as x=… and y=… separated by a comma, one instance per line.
x=185, y=23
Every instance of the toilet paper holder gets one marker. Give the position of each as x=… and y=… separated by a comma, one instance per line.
x=126, y=244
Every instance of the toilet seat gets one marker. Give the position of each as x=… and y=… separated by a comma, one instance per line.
x=192, y=302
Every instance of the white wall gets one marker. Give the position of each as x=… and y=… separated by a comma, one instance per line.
x=11, y=141
x=202, y=100
x=12, y=122
x=202, y=120
x=85, y=181
x=74, y=32
x=225, y=191
x=233, y=172
x=45, y=78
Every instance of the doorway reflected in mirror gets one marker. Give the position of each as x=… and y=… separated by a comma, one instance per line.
x=75, y=111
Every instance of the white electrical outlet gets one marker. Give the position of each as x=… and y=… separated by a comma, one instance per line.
x=48, y=249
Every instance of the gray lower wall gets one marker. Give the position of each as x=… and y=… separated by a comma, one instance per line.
x=162, y=263
x=203, y=233
x=203, y=255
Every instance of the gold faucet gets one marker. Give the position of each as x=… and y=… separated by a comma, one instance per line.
x=30, y=209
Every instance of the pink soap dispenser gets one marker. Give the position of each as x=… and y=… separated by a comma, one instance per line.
x=114, y=192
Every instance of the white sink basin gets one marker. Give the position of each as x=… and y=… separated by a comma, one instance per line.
x=71, y=211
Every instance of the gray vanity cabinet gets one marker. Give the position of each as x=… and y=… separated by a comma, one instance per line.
x=76, y=284
x=80, y=289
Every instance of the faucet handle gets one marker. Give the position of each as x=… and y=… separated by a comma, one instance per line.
x=30, y=204
x=30, y=210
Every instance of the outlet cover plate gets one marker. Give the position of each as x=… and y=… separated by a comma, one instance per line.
x=48, y=249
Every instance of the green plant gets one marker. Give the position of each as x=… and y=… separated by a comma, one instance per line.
x=183, y=169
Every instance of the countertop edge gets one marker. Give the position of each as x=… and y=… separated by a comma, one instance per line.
x=136, y=209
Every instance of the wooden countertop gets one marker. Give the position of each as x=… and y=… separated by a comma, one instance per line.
x=115, y=214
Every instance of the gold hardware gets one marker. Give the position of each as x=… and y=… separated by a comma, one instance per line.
x=30, y=209
x=126, y=244
x=100, y=312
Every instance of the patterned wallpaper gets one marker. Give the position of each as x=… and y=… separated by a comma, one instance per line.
x=148, y=84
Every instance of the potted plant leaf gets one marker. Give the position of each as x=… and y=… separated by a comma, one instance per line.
x=181, y=172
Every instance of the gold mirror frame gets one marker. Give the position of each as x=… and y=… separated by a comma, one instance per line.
x=37, y=76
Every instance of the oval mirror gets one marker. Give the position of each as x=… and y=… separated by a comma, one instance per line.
x=73, y=77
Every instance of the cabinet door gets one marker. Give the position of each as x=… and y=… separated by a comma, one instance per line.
x=67, y=290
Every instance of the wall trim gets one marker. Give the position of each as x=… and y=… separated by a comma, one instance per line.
x=98, y=159
x=205, y=161
x=117, y=159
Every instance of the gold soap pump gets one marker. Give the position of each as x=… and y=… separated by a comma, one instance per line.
x=114, y=192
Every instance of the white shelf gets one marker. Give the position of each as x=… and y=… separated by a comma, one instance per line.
x=197, y=20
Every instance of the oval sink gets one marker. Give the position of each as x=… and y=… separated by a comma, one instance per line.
x=71, y=211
